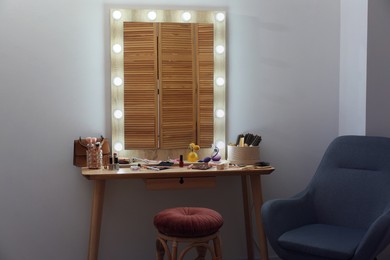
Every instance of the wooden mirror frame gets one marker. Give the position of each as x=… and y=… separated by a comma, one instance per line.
x=117, y=18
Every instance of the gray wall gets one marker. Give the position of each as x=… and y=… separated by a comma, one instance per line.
x=283, y=77
x=378, y=69
x=378, y=73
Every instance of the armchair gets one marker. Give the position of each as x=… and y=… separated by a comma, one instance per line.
x=344, y=212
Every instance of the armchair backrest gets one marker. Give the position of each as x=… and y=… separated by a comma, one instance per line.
x=351, y=186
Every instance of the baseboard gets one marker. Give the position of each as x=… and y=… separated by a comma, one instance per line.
x=270, y=258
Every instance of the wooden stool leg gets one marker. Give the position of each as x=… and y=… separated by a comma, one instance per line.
x=217, y=248
x=201, y=252
x=174, y=250
x=160, y=250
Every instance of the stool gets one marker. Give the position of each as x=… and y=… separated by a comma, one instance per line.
x=190, y=225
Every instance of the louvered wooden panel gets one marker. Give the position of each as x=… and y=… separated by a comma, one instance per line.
x=177, y=85
x=205, y=62
x=140, y=89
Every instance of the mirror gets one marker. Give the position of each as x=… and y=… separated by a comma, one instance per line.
x=120, y=107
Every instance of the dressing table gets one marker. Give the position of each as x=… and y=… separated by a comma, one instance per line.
x=166, y=94
x=176, y=178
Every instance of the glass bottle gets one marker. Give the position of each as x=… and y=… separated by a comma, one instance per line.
x=94, y=156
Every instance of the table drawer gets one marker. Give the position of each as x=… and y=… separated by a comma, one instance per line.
x=180, y=183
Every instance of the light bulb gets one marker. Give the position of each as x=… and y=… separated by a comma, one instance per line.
x=118, y=147
x=152, y=15
x=117, y=81
x=186, y=16
x=117, y=48
x=118, y=114
x=220, y=113
x=117, y=15
x=220, y=81
x=220, y=49
x=220, y=17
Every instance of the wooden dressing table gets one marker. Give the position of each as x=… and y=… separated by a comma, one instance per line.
x=182, y=178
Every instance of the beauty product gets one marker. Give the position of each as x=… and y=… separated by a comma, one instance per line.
x=111, y=163
x=94, y=154
x=116, y=162
x=216, y=156
x=239, y=139
x=152, y=168
x=256, y=141
x=222, y=166
x=242, y=143
x=181, y=162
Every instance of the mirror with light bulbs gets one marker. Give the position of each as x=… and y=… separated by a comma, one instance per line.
x=137, y=100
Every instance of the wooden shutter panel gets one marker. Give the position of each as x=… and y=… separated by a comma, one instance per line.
x=140, y=85
x=205, y=63
x=177, y=85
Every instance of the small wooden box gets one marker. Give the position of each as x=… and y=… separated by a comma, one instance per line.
x=243, y=155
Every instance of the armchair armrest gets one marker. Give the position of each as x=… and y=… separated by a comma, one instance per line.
x=281, y=215
x=376, y=238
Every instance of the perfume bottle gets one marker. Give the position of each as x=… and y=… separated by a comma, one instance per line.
x=192, y=156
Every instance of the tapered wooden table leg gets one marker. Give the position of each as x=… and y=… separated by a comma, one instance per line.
x=248, y=219
x=258, y=202
x=96, y=219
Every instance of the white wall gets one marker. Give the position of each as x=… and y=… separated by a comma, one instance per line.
x=353, y=67
x=283, y=78
x=283, y=75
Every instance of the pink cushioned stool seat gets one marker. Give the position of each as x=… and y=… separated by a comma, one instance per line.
x=192, y=226
x=188, y=222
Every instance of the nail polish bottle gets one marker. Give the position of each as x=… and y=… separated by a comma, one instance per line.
x=116, y=161
x=111, y=163
x=181, y=162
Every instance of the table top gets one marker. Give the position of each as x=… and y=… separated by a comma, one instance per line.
x=172, y=172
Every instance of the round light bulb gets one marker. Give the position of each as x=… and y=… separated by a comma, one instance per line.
x=220, y=17
x=118, y=114
x=186, y=16
x=117, y=81
x=220, y=49
x=220, y=81
x=117, y=48
x=220, y=113
x=152, y=15
x=221, y=145
x=117, y=15
x=118, y=147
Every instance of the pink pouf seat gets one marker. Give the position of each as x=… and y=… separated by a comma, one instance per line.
x=188, y=221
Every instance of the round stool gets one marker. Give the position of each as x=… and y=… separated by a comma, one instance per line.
x=190, y=225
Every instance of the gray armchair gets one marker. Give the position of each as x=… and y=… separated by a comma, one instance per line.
x=344, y=213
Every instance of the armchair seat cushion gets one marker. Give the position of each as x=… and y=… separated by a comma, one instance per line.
x=322, y=240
